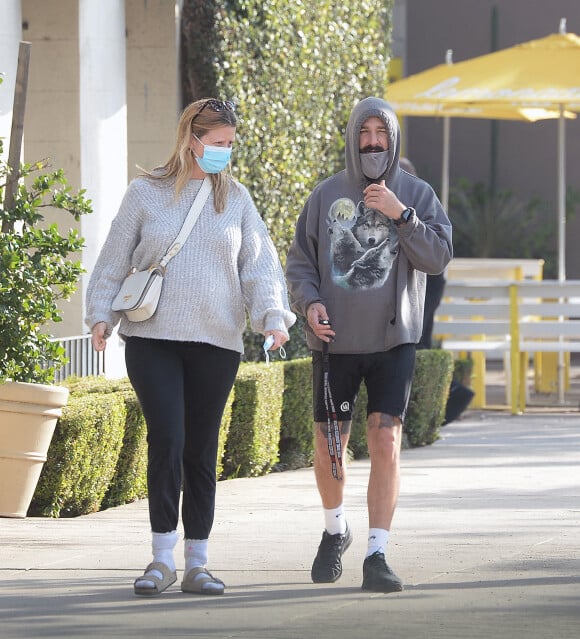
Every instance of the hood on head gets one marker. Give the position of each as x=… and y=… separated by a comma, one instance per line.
x=365, y=109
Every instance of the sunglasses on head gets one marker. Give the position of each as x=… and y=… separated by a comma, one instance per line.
x=217, y=106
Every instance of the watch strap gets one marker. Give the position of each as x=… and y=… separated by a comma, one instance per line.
x=405, y=216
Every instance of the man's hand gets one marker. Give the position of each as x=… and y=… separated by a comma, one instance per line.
x=380, y=197
x=314, y=315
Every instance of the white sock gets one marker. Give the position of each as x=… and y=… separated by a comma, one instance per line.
x=196, y=556
x=162, y=546
x=195, y=552
x=378, y=538
x=335, y=520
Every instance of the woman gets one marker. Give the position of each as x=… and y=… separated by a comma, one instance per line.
x=182, y=362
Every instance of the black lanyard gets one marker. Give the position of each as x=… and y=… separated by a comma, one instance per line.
x=333, y=428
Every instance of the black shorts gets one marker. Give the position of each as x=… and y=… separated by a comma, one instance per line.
x=387, y=375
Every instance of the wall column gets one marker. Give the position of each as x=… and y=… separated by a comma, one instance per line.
x=103, y=123
x=10, y=36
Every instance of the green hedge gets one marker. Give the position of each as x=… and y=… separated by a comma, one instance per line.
x=98, y=455
x=254, y=436
x=224, y=432
x=82, y=456
x=296, y=436
x=296, y=69
x=429, y=393
x=129, y=482
x=463, y=370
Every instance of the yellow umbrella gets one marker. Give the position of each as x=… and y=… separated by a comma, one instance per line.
x=405, y=97
x=432, y=93
x=540, y=73
x=413, y=96
x=543, y=73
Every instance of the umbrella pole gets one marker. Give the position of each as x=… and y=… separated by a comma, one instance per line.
x=561, y=231
x=561, y=196
x=445, y=164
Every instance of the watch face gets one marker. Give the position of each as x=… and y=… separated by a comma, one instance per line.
x=405, y=215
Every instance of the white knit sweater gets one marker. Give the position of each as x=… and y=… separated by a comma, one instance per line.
x=228, y=264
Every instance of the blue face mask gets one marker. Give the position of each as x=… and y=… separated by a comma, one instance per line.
x=215, y=158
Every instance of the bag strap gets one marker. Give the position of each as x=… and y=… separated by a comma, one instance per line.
x=332, y=425
x=189, y=223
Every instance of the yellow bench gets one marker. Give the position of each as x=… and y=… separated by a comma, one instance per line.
x=512, y=319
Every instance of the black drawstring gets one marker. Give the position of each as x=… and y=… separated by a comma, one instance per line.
x=333, y=428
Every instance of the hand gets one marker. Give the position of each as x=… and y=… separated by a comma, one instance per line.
x=380, y=197
x=98, y=338
x=314, y=315
x=280, y=339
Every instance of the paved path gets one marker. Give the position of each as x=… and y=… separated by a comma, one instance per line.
x=486, y=537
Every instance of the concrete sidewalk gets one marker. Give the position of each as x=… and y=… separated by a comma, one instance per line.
x=486, y=537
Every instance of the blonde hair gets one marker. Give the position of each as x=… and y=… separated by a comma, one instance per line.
x=198, y=118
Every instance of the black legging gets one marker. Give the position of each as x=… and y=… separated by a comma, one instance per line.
x=183, y=388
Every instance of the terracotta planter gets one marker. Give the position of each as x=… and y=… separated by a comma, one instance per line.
x=28, y=416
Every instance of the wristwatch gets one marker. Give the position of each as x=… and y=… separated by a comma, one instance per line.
x=406, y=215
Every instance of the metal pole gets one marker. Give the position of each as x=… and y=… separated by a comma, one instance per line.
x=445, y=167
x=561, y=195
x=561, y=230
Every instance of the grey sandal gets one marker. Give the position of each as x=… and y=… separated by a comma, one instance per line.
x=160, y=584
x=199, y=584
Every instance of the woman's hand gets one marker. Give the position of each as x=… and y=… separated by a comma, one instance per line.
x=279, y=339
x=98, y=338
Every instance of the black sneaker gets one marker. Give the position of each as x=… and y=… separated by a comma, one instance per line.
x=327, y=566
x=378, y=577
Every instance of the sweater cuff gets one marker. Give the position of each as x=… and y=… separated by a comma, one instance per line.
x=277, y=320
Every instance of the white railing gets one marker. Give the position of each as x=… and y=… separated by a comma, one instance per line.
x=82, y=359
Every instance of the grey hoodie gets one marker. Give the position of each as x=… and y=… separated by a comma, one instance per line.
x=369, y=273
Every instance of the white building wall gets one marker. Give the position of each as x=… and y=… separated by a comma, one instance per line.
x=103, y=97
x=103, y=132
x=10, y=36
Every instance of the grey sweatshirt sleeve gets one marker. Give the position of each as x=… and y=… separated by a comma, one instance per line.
x=261, y=276
x=114, y=262
x=427, y=238
x=302, y=272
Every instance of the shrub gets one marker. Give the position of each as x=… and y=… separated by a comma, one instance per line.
x=429, y=393
x=82, y=456
x=36, y=270
x=296, y=437
x=252, y=444
x=296, y=69
x=462, y=370
x=129, y=482
x=224, y=433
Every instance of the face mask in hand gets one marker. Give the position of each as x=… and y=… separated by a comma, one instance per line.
x=266, y=346
x=374, y=165
x=215, y=158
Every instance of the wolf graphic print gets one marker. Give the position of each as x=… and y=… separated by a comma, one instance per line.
x=363, y=245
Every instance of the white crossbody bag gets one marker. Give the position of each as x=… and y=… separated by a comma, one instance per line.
x=139, y=294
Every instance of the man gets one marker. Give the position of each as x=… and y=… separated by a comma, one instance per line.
x=356, y=271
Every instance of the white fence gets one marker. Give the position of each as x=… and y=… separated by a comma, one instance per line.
x=83, y=360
